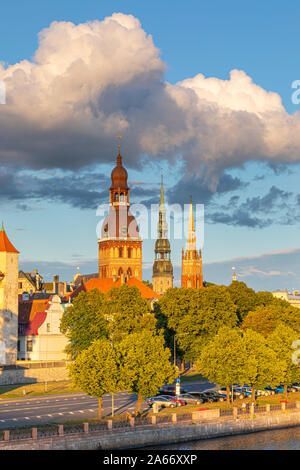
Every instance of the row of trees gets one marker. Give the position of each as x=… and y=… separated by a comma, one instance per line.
x=115, y=344
x=231, y=333
x=139, y=363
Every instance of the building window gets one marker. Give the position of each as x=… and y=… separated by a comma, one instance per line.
x=20, y=285
x=120, y=252
x=29, y=345
x=18, y=345
x=129, y=252
x=48, y=327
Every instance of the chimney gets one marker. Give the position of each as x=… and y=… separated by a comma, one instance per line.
x=55, y=283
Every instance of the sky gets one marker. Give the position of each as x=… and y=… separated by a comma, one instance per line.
x=202, y=89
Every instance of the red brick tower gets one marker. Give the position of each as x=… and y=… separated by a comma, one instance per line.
x=191, y=272
x=120, y=246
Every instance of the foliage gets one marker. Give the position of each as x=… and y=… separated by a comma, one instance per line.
x=96, y=370
x=224, y=360
x=128, y=311
x=195, y=315
x=144, y=363
x=265, y=367
x=84, y=321
x=148, y=284
x=280, y=341
x=264, y=319
x=243, y=297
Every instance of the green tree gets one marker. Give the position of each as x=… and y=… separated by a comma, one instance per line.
x=148, y=284
x=265, y=318
x=243, y=297
x=224, y=360
x=144, y=363
x=128, y=312
x=264, y=367
x=280, y=341
x=96, y=371
x=84, y=321
x=195, y=316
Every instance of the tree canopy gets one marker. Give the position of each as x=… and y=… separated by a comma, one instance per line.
x=84, y=321
x=145, y=363
x=96, y=370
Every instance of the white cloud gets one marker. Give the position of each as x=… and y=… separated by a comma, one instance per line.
x=89, y=82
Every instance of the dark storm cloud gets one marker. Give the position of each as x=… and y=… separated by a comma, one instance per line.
x=256, y=212
x=199, y=190
x=85, y=190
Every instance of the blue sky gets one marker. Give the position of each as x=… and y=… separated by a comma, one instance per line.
x=49, y=195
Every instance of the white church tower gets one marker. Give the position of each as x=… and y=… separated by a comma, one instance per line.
x=9, y=269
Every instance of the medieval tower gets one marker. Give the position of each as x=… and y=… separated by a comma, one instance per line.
x=191, y=272
x=120, y=246
x=9, y=270
x=162, y=268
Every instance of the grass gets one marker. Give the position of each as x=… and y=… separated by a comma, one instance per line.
x=192, y=376
x=37, y=389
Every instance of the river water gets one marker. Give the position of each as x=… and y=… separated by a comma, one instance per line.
x=280, y=439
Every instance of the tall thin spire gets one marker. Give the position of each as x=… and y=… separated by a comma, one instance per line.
x=162, y=199
x=162, y=223
x=191, y=240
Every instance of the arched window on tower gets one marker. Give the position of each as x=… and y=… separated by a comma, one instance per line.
x=120, y=272
x=120, y=252
x=129, y=272
x=129, y=252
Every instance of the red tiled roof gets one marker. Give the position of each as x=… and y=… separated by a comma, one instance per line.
x=32, y=313
x=104, y=285
x=5, y=244
x=33, y=326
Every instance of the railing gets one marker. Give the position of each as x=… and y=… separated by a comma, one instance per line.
x=120, y=423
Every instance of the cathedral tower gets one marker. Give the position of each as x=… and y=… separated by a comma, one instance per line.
x=120, y=246
x=191, y=272
x=162, y=267
x=9, y=271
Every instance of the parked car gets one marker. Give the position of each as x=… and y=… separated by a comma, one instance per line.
x=189, y=399
x=217, y=396
x=203, y=396
x=236, y=393
x=170, y=390
x=296, y=386
x=177, y=399
x=164, y=402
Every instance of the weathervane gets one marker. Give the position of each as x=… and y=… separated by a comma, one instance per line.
x=119, y=137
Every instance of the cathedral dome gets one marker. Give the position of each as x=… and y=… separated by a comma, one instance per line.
x=119, y=175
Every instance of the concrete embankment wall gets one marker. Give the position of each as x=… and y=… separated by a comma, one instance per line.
x=157, y=434
x=26, y=372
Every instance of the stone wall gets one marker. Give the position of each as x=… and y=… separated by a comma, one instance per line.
x=156, y=434
x=25, y=372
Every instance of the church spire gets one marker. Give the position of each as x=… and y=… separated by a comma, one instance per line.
x=162, y=268
x=162, y=222
x=191, y=240
x=191, y=271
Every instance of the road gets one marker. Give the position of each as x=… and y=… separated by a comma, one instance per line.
x=68, y=407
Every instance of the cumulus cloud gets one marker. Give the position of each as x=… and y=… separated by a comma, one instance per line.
x=259, y=271
x=88, y=82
